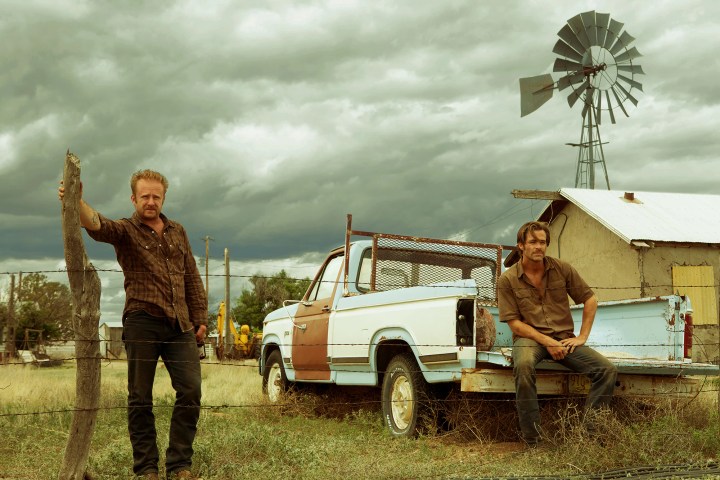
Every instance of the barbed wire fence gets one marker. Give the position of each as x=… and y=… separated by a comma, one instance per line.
x=386, y=284
x=698, y=344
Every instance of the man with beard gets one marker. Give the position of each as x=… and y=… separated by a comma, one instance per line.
x=533, y=301
x=165, y=316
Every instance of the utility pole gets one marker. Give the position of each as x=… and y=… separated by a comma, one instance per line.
x=10, y=339
x=228, y=345
x=207, y=239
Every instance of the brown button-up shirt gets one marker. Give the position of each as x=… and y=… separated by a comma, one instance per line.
x=546, y=309
x=161, y=276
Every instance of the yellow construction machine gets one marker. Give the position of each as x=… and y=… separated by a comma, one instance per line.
x=244, y=344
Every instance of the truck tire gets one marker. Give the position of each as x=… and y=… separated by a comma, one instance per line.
x=274, y=383
x=405, y=396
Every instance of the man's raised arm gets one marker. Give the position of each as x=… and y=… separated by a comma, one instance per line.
x=89, y=218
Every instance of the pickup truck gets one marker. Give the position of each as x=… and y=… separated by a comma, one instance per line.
x=411, y=315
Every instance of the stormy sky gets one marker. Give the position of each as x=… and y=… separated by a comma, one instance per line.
x=274, y=119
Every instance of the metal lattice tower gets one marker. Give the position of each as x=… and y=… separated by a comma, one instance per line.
x=590, y=153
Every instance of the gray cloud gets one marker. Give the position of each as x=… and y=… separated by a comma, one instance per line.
x=272, y=120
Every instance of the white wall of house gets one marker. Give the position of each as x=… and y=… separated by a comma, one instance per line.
x=617, y=270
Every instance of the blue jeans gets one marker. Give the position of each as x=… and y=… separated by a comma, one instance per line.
x=527, y=354
x=148, y=338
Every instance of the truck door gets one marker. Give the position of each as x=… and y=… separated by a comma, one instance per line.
x=310, y=332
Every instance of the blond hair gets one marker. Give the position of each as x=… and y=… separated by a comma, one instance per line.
x=148, y=175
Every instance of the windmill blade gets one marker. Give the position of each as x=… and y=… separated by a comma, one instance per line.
x=577, y=26
x=573, y=97
x=634, y=69
x=602, y=27
x=562, y=65
x=627, y=94
x=586, y=105
x=628, y=55
x=613, y=33
x=624, y=41
x=571, y=39
x=620, y=103
x=598, y=110
x=631, y=82
x=610, y=107
x=562, y=48
x=569, y=80
x=588, y=19
x=534, y=92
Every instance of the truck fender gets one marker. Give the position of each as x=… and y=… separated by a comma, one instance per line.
x=398, y=339
x=269, y=343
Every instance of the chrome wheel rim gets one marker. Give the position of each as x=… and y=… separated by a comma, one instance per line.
x=402, y=402
x=274, y=383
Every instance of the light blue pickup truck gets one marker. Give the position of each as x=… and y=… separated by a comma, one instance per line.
x=406, y=314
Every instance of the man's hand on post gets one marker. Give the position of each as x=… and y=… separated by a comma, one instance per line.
x=61, y=191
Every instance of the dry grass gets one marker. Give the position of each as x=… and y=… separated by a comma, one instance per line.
x=232, y=383
x=330, y=433
x=21, y=387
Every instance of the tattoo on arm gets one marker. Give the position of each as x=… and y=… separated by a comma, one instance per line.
x=95, y=219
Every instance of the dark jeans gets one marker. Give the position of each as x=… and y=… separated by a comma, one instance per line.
x=148, y=338
x=527, y=353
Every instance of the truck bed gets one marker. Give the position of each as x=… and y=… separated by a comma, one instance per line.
x=643, y=338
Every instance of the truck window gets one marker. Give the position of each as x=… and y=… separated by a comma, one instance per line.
x=403, y=264
x=365, y=271
x=325, y=285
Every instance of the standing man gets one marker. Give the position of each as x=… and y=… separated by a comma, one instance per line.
x=165, y=316
x=533, y=300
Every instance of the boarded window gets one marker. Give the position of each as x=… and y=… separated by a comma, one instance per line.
x=697, y=282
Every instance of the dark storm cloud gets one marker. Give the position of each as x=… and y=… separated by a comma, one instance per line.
x=272, y=120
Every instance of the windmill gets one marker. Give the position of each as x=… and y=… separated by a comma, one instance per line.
x=597, y=65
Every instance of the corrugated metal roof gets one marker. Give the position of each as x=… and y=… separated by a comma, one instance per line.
x=652, y=216
x=112, y=324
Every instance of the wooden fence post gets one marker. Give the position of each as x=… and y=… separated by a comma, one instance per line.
x=85, y=289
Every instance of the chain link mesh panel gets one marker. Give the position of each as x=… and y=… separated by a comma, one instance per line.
x=402, y=262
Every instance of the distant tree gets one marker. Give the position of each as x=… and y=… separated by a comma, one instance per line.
x=267, y=294
x=212, y=322
x=3, y=317
x=43, y=305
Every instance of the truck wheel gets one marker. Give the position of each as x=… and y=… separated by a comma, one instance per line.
x=404, y=396
x=275, y=383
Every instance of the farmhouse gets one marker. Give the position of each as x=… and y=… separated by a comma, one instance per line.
x=641, y=244
x=111, y=344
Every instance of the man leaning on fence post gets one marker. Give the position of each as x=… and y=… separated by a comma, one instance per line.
x=533, y=301
x=165, y=316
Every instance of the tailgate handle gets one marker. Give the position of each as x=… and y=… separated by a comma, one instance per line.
x=326, y=308
x=302, y=327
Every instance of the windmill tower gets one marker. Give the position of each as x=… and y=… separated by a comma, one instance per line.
x=597, y=65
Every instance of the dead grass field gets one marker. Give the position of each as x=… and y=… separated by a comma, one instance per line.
x=338, y=433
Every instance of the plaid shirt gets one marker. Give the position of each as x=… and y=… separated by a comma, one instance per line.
x=548, y=311
x=161, y=276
